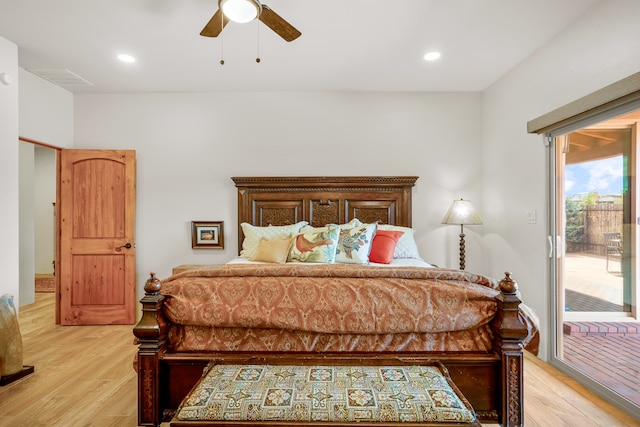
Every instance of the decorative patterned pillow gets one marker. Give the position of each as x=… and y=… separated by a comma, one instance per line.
x=315, y=246
x=384, y=245
x=406, y=247
x=344, y=253
x=354, y=244
x=273, y=250
x=253, y=234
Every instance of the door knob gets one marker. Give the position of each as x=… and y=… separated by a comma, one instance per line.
x=126, y=246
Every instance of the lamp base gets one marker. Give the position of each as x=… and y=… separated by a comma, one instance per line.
x=461, y=251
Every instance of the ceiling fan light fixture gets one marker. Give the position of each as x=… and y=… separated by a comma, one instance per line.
x=240, y=11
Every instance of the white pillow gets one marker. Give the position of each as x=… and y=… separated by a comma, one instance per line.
x=253, y=234
x=406, y=247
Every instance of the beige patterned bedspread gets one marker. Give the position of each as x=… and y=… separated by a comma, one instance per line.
x=369, y=304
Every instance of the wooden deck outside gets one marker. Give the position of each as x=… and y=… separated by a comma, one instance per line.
x=608, y=352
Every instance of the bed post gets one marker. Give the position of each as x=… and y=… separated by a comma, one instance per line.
x=151, y=333
x=510, y=331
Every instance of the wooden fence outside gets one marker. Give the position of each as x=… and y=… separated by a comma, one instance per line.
x=597, y=220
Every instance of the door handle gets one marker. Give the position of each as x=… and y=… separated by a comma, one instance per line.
x=126, y=246
x=559, y=248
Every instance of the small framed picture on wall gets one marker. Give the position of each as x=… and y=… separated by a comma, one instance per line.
x=207, y=235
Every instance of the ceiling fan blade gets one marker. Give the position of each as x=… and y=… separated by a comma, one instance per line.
x=278, y=24
x=215, y=25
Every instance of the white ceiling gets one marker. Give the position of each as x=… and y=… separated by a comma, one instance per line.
x=368, y=45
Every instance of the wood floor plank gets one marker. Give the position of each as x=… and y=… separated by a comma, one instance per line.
x=557, y=395
x=84, y=377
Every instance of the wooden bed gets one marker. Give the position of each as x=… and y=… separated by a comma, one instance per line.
x=491, y=380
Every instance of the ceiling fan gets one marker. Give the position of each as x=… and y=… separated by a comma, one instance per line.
x=244, y=11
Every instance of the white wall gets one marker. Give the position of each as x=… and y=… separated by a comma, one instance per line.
x=46, y=116
x=599, y=49
x=190, y=145
x=27, y=214
x=46, y=111
x=9, y=172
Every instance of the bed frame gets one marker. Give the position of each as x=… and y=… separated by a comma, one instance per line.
x=491, y=381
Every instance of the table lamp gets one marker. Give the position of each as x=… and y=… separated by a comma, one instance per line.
x=461, y=213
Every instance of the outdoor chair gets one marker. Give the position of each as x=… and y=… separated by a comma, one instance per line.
x=613, y=246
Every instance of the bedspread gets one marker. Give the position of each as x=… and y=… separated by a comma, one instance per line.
x=334, y=298
x=336, y=307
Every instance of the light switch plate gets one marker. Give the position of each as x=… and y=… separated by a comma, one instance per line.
x=531, y=216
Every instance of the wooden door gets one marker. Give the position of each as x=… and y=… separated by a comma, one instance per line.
x=96, y=257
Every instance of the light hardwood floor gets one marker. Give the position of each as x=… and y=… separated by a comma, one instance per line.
x=84, y=377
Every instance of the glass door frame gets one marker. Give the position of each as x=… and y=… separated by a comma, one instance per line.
x=555, y=237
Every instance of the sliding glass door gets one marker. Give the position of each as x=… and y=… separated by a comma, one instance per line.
x=594, y=241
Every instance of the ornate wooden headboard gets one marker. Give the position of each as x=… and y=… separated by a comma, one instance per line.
x=323, y=200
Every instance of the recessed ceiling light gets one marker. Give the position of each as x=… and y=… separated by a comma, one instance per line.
x=431, y=56
x=126, y=58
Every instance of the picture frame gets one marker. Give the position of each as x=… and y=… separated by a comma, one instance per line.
x=207, y=234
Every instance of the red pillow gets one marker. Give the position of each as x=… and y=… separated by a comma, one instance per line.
x=383, y=245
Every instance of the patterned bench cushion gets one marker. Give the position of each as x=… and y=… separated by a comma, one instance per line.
x=385, y=394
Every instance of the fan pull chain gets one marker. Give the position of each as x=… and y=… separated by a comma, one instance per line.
x=258, y=27
x=222, y=52
x=222, y=40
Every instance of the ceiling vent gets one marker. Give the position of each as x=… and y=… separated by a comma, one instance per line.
x=60, y=77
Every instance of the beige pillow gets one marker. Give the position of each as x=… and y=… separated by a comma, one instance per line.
x=253, y=234
x=273, y=250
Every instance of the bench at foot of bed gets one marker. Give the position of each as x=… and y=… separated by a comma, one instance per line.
x=271, y=395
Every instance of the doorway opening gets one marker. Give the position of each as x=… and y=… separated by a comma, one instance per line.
x=44, y=218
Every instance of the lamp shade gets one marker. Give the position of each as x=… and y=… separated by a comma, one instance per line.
x=461, y=212
x=240, y=11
